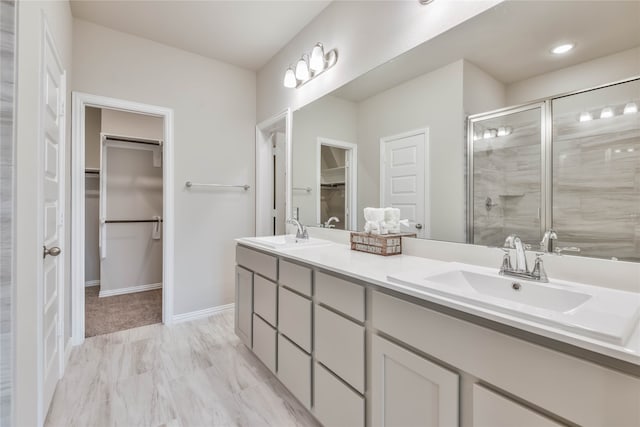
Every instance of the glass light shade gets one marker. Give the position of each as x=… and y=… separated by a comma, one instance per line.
x=290, y=79
x=503, y=131
x=606, y=113
x=302, y=70
x=586, y=116
x=630, y=108
x=317, y=62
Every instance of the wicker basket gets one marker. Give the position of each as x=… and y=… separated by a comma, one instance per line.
x=385, y=245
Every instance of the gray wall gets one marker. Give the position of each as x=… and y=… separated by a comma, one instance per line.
x=214, y=140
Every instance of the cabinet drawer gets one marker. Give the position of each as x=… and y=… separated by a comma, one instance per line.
x=265, y=299
x=294, y=370
x=339, y=345
x=294, y=318
x=295, y=277
x=258, y=262
x=264, y=342
x=335, y=404
x=341, y=295
x=493, y=410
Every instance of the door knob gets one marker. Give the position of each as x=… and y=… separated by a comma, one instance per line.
x=419, y=226
x=54, y=251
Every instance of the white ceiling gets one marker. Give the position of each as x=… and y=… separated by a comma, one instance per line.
x=241, y=32
x=512, y=42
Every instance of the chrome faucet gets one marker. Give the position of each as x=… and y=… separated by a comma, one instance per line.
x=330, y=220
x=521, y=270
x=302, y=230
x=546, y=245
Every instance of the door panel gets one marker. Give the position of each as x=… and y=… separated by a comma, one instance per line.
x=403, y=172
x=52, y=139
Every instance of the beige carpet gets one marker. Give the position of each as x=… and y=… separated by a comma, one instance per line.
x=120, y=312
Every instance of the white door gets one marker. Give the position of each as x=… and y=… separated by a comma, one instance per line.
x=52, y=137
x=403, y=174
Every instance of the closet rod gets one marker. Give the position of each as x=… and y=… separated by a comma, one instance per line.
x=123, y=221
x=132, y=140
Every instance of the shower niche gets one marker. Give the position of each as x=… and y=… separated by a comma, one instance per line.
x=569, y=163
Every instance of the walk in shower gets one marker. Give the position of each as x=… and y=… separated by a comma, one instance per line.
x=570, y=163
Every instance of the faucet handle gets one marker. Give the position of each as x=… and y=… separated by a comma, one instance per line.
x=506, y=262
x=538, y=272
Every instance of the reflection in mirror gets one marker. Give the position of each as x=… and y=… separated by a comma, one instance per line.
x=596, y=171
x=497, y=60
x=506, y=186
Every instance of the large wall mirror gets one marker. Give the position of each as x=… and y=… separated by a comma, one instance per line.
x=484, y=131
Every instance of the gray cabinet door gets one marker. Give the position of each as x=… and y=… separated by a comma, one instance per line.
x=244, y=304
x=408, y=390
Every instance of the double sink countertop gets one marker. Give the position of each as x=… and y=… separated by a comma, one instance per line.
x=406, y=274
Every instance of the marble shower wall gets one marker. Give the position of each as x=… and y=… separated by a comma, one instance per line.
x=506, y=169
x=7, y=205
x=596, y=185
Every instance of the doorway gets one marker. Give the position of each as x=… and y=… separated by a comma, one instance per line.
x=273, y=188
x=123, y=227
x=337, y=184
x=122, y=215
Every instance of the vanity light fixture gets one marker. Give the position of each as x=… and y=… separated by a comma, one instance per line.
x=425, y=2
x=562, y=48
x=606, y=113
x=309, y=67
x=630, y=108
x=586, y=116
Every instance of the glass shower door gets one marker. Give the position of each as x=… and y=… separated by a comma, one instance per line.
x=596, y=171
x=505, y=157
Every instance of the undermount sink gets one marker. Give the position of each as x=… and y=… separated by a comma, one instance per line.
x=287, y=241
x=601, y=313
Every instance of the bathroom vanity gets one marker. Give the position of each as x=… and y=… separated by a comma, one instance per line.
x=358, y=349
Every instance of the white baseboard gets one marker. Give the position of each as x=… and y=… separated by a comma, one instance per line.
x=91, y=283
x=198, y=314
x=129, y=290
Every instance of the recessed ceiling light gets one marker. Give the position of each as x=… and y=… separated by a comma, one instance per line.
x=563, y=48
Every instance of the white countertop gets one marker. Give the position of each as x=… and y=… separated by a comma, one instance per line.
x=374, y=269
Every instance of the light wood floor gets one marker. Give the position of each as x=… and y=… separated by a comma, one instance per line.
x=191, y=374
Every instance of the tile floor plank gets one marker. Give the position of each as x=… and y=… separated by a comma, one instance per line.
x=194, y=373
